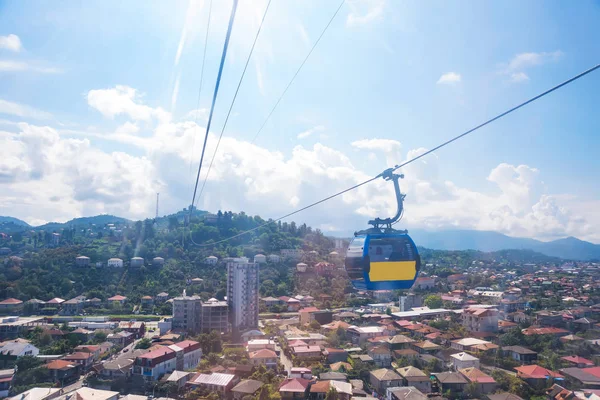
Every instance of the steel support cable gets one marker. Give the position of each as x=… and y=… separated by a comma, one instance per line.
x=201, y=82
x=214, y=99
x=573, y=79
x=234, y=98
x=297, y=72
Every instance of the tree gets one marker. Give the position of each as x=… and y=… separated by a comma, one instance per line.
x=332, y=394
x=145, y=343
x=433, y=301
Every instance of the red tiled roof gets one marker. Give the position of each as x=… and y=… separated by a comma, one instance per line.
x=297, y=385
x=536, y=372
x=308, y=309
x=80, y=355
x=188, y=345
x=157, y=352
x=118, y=297
x=306, y=349
x=59, y=364
x=475, y=375
x=262, y=353
x=578, y=360
x=594, y=371
x=11, y=301
x=295, y=343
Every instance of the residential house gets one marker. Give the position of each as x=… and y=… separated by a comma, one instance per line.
x=38, y=393
x=300, y=372
x=180, y=378
x=405, y=393
x=114, y=263
x=412, y=376
x=86, y=393
x=94, y=350
x=484, y=383
x=33, y=306
x=257, y=344
x=359, y=335
x=274, y=258
x=63, y=371
x=425, y=282
x=504, y=396
x=583, y=324
x=548, y=318
x=248, y=387
x=147, y=301
x=121, y=339
x=73, y=306
x=158, y=262
x=579, y=362
x=270, y=302
x=136, y=262
x=113, y=369
x=307, y=352
x=6, y=379
x=333, y=376
x=335, y=355
x=382, y=379
x=400, y=342
x=138, y=328
x=294, y=389
x=188, y=352
x=319, y=390
x=381, y=355
x=520, y=354
x=265, y=357
x=252, y=334
x=82, y=261
x=480, y=319
x=11, y=306
x=535, y=375
x=117, y=299
x=86, y=360
x=466, y=344
x=453, y=382
x=162, y=297
x=11, y=350
x=464, y=360
x=426, y=347
x=154, y=364
x=580, y=377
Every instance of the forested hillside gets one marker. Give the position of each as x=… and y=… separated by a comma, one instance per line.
x=44, y=270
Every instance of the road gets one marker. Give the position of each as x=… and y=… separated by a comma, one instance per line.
x=285, y=361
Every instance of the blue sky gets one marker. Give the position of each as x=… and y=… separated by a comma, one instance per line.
x=415, y=73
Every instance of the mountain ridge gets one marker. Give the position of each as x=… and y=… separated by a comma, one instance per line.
x=570, y=248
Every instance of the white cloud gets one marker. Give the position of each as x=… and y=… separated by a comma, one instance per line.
x=38, y=163
x=363, y=12
x=519, y=77
x=124, y=100
x=199, y=114
x=309, y=132
x=22, y=110
x=127, y=128
x=11, y=42
x=526, y=60
x=391, y=148
x=21, y=66
x=516, y=67
x=449, y=78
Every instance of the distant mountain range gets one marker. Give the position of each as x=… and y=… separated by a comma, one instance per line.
x=10, y=224
x=568, y=248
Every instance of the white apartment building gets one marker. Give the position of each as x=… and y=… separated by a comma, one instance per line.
x=242, y=294
x=115, y=263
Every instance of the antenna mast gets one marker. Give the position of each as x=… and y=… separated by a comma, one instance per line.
x=157, y=194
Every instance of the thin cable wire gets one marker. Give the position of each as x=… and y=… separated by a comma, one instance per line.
x=297, y=71
x=214, y=99
x=489, y=121
x=234, y=98
x=576, y=77
x=201, y=81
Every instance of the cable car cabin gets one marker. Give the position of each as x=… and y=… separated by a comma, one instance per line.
x=382, y=261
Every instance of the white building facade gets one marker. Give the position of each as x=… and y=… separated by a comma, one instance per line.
x=242, y=294
x=115, y=263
